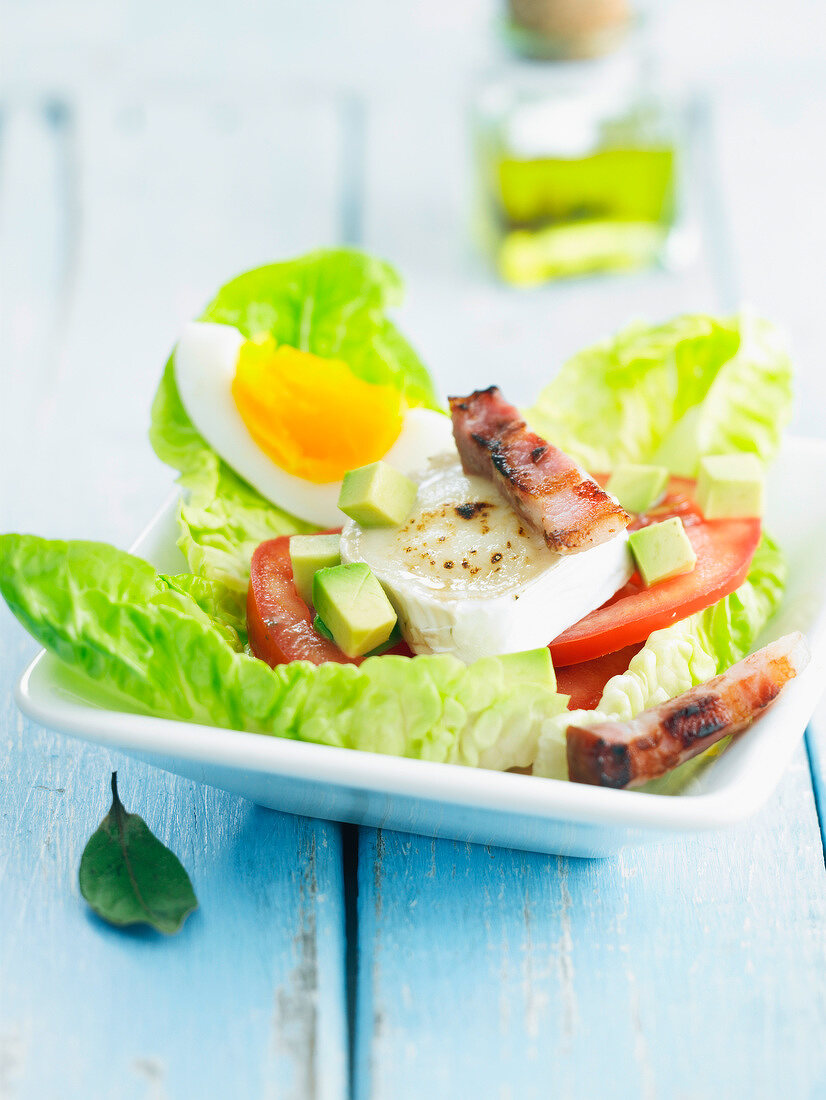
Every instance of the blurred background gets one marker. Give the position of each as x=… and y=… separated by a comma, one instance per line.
x=499, y=158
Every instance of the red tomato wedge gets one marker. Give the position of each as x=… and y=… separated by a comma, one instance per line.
x=586, y=681
x=724, y=551
x=279, y=622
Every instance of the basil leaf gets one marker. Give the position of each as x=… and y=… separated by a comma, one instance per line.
x=129, y=877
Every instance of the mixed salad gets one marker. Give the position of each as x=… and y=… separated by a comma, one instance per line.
x=573, y=588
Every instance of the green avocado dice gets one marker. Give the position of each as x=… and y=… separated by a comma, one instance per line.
x=730, y=487
x=395, y=637
x=529, y=667
x=377, y=495
x=354, y=607
x=662, y=551
x=637, y=487
x=309, y=553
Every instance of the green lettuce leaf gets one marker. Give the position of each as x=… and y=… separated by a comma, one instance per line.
x=331, y=303
x=670, y=394
x=213, y=599
x=152, y=640
x=680, y=656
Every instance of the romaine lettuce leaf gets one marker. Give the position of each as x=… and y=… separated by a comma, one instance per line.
x=670, y=394
x=329, y=302
x=333, y=303
x=680, y=656
x=152, y=640
x=213, y=598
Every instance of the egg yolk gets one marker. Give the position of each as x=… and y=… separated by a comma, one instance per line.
x=311, y=415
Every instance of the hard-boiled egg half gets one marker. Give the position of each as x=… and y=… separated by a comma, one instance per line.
x=292, y=423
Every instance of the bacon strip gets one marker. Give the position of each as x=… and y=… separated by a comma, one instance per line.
x=626, y=754
x=542, y=484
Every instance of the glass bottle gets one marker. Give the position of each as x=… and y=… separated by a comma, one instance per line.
x=576, y=148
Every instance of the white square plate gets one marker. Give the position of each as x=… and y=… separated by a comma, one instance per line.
x=485, y=807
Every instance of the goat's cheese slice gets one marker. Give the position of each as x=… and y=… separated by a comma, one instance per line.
x=467, y=576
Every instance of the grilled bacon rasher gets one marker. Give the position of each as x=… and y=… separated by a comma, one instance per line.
x=626, y=754
x=550, y=492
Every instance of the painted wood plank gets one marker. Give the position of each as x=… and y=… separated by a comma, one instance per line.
x=688, y=970
x=367, y=44
x=109, y=31
x=247, y=1000
x=779, y=231
x=174, y=195
x=692, y=970
x=33, y=277
x=772, y=196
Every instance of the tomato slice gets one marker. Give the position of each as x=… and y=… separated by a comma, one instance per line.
x=586, y=681
x=724, y=551
x=279, y=622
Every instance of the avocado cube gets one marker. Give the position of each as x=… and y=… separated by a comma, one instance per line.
x=394, y=639
x=637, y=487
x=662, y=551
x=377, y=495
x=353, y=606
x=309, y=553
x=730, y=486
x=531, y=666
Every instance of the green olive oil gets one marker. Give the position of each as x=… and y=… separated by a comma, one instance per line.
x=555, y=216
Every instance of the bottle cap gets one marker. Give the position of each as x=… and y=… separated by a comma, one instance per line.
x=568, y=29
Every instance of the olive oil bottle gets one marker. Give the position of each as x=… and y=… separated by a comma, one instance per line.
x=577, y=162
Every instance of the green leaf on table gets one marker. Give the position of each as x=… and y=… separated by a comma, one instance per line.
x=129, y=877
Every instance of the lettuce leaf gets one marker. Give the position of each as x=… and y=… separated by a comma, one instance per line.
x=680, y=656
x=670, y=394
x=153, y=640
x=214, y=599
x=332, y=303
x=328, y=302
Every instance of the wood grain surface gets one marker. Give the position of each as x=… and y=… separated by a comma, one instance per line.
x=147, y=153
x=108, y=240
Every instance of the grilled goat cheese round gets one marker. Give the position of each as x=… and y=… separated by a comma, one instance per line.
x=466, y=576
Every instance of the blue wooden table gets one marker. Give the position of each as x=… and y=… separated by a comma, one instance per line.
x=326, y=961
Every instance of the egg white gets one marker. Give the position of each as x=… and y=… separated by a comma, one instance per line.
x=205, y=361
